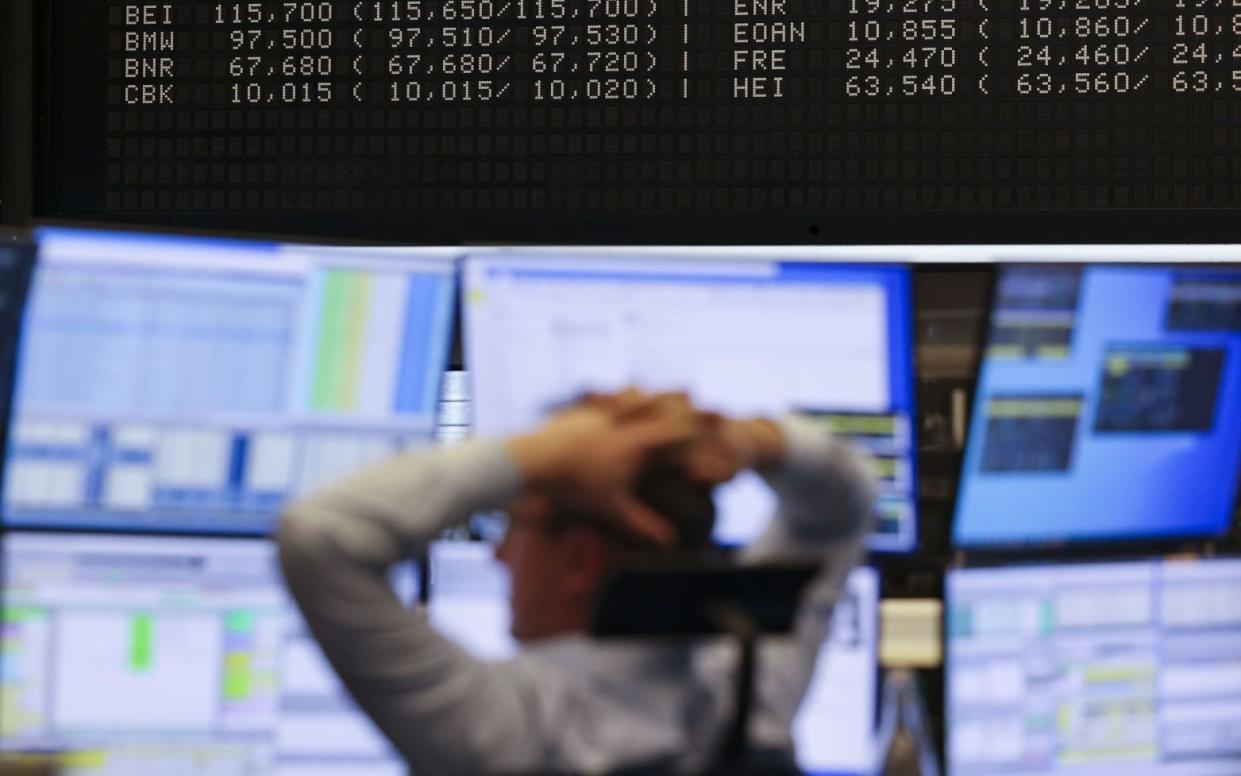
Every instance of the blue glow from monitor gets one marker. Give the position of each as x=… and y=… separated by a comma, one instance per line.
x=1108, y=407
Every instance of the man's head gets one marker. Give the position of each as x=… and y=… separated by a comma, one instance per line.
x=559, y=553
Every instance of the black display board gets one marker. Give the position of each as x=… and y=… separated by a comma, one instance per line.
x=649, y=120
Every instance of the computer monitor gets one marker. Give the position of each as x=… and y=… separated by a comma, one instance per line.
x=742, y=334
x=1108, y=407
x=834, y=730
x=192, y=384
x=170, y=655
x=1116, y=669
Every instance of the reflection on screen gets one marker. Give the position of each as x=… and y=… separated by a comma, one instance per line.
x=742, y=336
x=1108, y=407
x=1124, y=669
x=171, y=656
x=834, y=729
x=191, y=384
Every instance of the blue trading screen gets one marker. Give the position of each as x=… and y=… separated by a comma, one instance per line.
x=1108, y=407
x=1119, y=669
x=197, y=385
x=742, y=335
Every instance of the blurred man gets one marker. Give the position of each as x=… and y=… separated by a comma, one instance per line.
x=610, y=478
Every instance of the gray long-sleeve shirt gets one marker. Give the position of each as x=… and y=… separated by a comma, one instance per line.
x=568, y=704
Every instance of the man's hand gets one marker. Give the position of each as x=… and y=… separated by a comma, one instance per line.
x=726, y=446
x=591, y=454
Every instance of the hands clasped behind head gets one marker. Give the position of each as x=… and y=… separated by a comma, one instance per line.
x=595, y=452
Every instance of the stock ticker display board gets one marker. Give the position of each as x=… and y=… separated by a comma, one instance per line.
x=799, y=111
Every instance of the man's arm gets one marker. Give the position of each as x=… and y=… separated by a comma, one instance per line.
x=826, y=495
x=826, y=490
x=444, y=710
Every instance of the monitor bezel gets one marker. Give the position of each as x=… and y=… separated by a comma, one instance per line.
x=10, y=350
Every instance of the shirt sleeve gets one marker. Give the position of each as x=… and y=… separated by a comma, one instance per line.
x=444, y=710
x=825, y=507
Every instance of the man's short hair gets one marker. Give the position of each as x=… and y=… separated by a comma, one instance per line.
x=690, y=507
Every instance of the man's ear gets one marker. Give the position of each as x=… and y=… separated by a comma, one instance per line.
x=587, y=560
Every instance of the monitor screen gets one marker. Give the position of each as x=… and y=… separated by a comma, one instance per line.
x=189, y=384
x=1108, y=407
x=1112, y=669
x=834, y=729
x=171, y=655
x=742, y=335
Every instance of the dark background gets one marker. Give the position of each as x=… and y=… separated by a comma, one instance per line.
x=818, y=166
